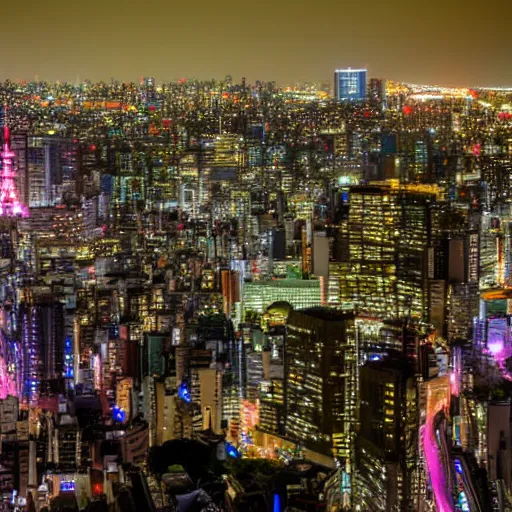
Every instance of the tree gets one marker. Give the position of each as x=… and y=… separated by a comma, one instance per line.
x=176, y=468
x=195, y=457
x=254, y=474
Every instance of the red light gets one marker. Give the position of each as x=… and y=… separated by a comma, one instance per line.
x=407, y=110
x=97, y=489
x=477, y=149
x=152, y=108
x=366, y=113
x=93, y=147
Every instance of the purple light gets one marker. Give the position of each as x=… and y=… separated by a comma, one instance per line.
x=497, y=335
x=7, y=370
x=495, y=347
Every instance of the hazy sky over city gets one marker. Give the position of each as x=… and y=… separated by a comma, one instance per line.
x=444, y=42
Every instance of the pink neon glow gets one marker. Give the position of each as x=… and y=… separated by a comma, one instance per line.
x=454, y=384
x=496, y=347
x=7, y=372
x=7, y=383
x=10, y=205
x=249, y=413
x=498, y=344
x=500, y=356
x=435, y=465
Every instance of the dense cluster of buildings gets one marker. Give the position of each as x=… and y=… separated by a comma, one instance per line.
x=319, y=281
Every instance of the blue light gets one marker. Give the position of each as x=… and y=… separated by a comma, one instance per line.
x=67, y=486
x=118, y=414
x=184, y=393
x=346, y=484
x=458, y=466
x=463, y=502
x=68, y=358
x=277, y=503
x=232, y=451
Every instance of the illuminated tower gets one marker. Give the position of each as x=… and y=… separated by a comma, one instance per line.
x=10, y=205
x=350, y=84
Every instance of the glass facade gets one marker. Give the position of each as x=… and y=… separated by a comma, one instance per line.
x=350, y=84
x=258, y=296
x=381, y=274
x=321, y=380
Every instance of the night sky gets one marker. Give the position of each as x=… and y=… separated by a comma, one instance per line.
x=442, y=42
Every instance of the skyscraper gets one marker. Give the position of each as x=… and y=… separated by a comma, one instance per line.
x=350, y=84
x=321, y=380
x=382, y=248
x=386, y=445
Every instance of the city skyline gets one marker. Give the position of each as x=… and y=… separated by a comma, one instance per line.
x=272, y=43
x=255, y=257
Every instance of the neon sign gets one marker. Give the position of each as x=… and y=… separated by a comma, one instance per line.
x=184, y=393
x=67, y=486
x=118, y=414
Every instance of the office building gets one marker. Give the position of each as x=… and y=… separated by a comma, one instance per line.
x=321, y=381
x=382, y=251
x=350, y=84
x=259, y=295
x=386, y=452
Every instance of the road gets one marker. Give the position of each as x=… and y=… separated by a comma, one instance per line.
x=469, y=488
x=438, y=397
